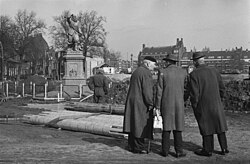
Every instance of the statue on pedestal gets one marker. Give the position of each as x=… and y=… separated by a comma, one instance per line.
x=73, y=32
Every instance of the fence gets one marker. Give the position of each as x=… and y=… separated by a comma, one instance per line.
x=42, y=92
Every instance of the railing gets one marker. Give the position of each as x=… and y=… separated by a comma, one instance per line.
x=40, y=92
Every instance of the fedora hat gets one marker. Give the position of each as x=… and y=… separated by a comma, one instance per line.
x=197, y=55
x=171, y=57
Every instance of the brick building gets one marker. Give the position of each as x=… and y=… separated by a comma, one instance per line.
x=234, y=61
x=161, y=52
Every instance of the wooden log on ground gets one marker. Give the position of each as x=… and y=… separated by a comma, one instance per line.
x=92, y=107
x=102, y=124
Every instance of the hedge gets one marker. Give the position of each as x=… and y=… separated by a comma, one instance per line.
x=237, y=97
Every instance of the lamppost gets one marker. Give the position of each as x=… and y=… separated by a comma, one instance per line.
x=131, y=66
x=1, y=60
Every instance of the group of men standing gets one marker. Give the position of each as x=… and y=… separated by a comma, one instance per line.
x=204, y=88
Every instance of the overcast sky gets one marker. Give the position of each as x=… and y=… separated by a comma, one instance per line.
x=217, y=24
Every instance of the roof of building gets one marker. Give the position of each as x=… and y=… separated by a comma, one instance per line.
x=222, y=54
x=13, y=61
x=158, y=50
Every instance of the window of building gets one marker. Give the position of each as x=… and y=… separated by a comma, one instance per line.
x=211, y=57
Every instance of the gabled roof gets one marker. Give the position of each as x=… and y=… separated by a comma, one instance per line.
x=158, y=50
x=104, y=65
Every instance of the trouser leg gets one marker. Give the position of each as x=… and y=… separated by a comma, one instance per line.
x=130, y=142
x=96, y=99
x=136, y=144
x=139, y=144
x=222, y=140
x=208, y=143
x=102, y=99
x=178, y=141
x=165, y=141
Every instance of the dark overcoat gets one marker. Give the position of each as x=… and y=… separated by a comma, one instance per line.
x=138, y=119
x=206, y=90
x=170, y=97
x=99, y=84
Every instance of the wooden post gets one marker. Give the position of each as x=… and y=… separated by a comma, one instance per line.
x=45, y=90
x=80, y=91
x=58, y=97
x=34, y=90
x=61, y=90
x=23, y=89
x=31, y=86
x=7, y=89
x=15, y=87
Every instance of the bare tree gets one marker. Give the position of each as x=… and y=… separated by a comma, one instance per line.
x=5, y=35
x=206, y=49
x=93, y=31
x=111, y=55
x=58, y=32
x=25, y=25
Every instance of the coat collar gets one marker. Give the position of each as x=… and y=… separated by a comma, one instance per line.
x=145, y=67
x=171, y=66
x=201, y=66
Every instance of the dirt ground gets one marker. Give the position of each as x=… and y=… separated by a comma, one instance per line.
x=25, y=143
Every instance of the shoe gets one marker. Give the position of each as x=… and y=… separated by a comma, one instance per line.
x=140, y=151
x=129, y=148
x=203, y=152
x=164, y=154
x=179, y=155
x=224, y=151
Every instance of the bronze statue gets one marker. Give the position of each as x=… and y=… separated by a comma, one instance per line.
x=73, y=32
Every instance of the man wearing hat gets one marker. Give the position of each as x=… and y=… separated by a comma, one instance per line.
x=206, y=91
x=100, y=85
x=170, y=102
x=138, y=116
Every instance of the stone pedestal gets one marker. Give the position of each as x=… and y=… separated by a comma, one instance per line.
x=74, y=69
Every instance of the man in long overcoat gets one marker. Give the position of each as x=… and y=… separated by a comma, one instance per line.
x=138, y=117
x=206, y=93
x=99, y=84
x=170, y=101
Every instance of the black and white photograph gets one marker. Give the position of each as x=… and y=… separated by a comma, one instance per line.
x=124, y=81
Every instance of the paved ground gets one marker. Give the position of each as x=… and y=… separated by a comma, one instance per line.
x=25, y=143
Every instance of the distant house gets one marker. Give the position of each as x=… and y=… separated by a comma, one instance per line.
x=92, y=63
x=108, y=69
x=161, y=52
x=236, y=60
x=33, y=59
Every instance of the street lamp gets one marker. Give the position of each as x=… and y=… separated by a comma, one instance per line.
x=1, y=60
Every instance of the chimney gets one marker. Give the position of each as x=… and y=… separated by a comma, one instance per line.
x=143, y=46
x=177, y=41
